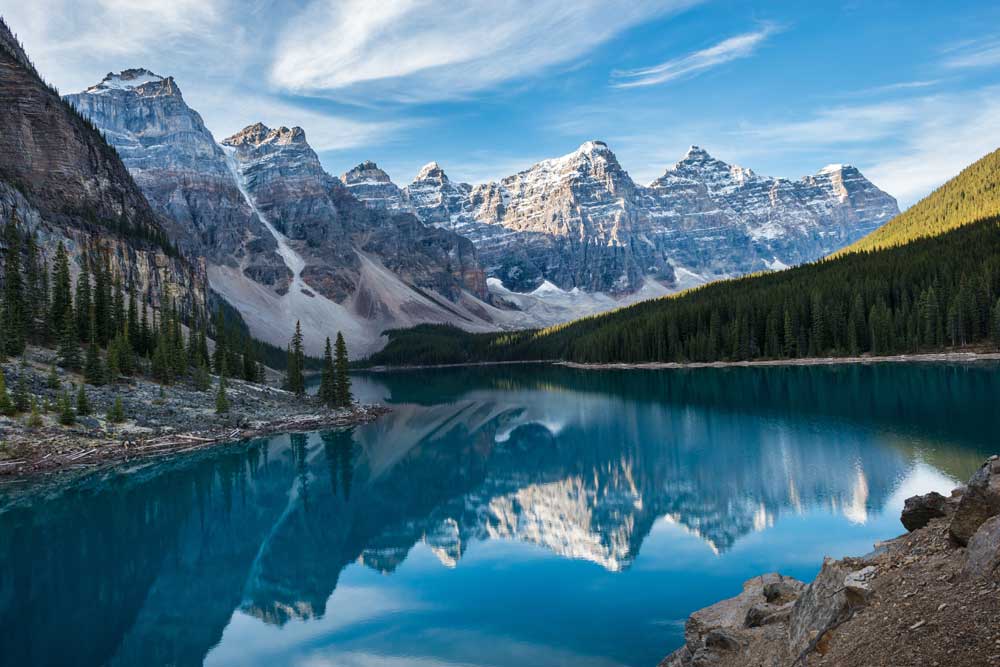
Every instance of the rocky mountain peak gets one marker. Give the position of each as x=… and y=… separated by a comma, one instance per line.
x=259, y=134
x=366, y=172
x=137, y=79
x=431, y=171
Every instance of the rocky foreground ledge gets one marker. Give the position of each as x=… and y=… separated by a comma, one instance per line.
x=158, y=420
x=929, y=597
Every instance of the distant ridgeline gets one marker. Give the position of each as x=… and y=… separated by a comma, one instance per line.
x=932, y=283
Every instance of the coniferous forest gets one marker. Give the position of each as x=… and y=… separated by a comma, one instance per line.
x=931, y=294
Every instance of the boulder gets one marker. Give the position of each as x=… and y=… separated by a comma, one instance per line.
x=983, y=553
x=919, y=510
x=979, y=502
x=832, y=597
x=722, y=633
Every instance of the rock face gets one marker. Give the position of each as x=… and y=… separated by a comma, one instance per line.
x=284, y=240
x=579, y=221
x=983, y=555
x=181, y=170
x=328, y=226
x=67, y=184
x=372, y=186
x=980, y=501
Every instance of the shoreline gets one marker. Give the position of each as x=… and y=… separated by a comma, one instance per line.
x=930, y=357
x=158, y=420
x=96, y=451
x=928, y=596
x=923, y=357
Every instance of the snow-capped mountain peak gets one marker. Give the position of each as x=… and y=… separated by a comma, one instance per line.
x=128, y=79
x=431, y=170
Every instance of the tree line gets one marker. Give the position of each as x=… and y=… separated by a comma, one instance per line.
x=335, y=380
x=931, y=294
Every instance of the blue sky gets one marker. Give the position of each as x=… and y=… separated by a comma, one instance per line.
x=909, y=95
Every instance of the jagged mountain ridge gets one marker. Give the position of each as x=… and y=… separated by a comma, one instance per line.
x=283, y=239
x=65, y=183
x=579, y=221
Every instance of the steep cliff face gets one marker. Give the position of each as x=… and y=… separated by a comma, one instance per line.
x=372, y=186
x=182, y=171
x=331, y=229
x=352, y=268
x=579, y=221
x=284, y=240
x=66, y=183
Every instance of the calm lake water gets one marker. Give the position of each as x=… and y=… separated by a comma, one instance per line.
x=498, y=516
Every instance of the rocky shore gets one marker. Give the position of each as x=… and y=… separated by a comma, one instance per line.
x=929, y=597
x=158, y=420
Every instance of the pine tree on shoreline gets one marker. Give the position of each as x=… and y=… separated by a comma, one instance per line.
x=343, y=378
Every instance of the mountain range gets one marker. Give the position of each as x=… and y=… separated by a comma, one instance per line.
x=580, y=221
x=285, y=241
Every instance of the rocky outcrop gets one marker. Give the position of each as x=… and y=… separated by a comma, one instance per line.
x=918, y=599
x=579, y=221
x=983, y=556
x=980, y=501
x=67, y=184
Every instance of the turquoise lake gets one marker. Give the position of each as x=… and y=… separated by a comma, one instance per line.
x=499, y=516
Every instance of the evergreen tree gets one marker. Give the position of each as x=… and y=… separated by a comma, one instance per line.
x=144, y=333
x=120, y=315
x=52, y=381
x=15, y=325
x=296, y=363
x=132, y=322
x=343, y=379
x=35, y=418
x=116, y=412
x=82, y=403
x=36, y=299
x=327, y=385
x=6, y=405
x=249, y=362
x=20, y=397
x=69, y=340
x=221, y=400
x=61, y=301
x=66, y=415
x=219, y=356
x=84, y=305
x=92, y=371
x=202, y=380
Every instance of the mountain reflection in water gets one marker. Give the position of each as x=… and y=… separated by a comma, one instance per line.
x=187, y=560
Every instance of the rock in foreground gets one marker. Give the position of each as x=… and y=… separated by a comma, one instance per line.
x=919, y=599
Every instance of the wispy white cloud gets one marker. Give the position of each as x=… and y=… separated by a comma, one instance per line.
x=838, y=125
x=971, y=54
x=889, y=88
x=215, y=49
x=424, y=50
x=692, y=64
x=907, y=147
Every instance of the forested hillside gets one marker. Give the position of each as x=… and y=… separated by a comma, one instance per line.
x=972, y=195
x=930, y=294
